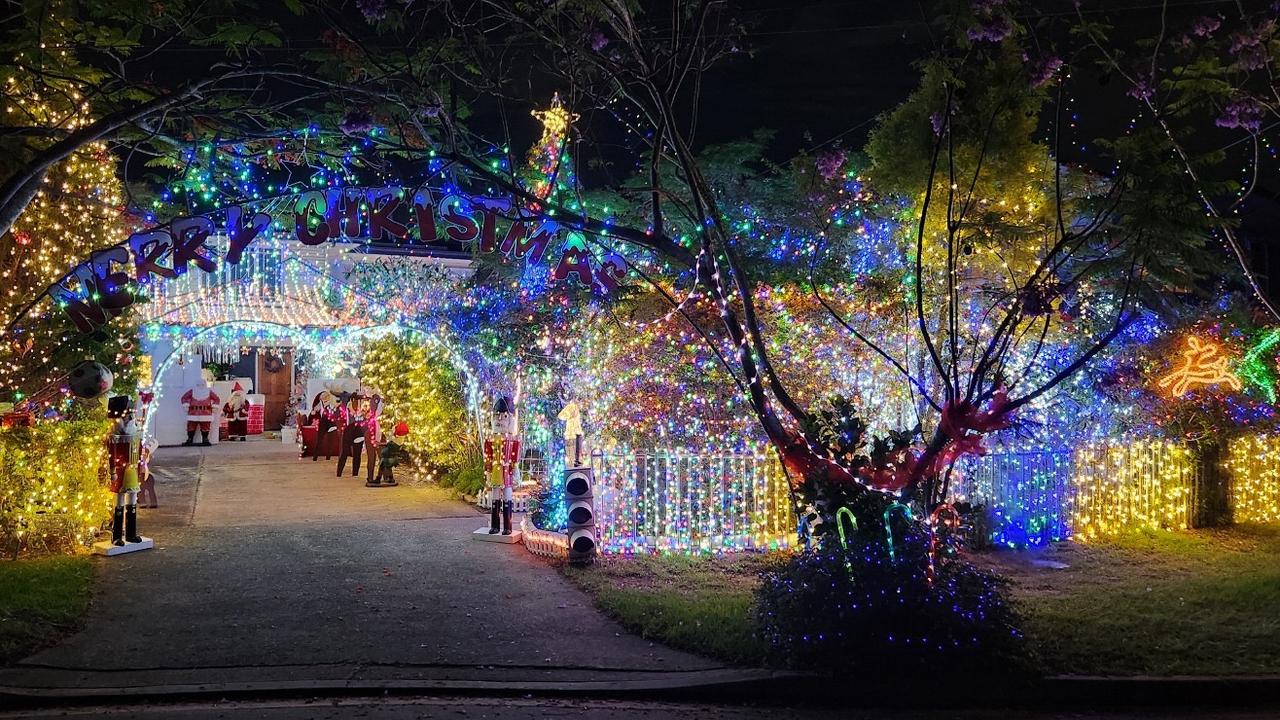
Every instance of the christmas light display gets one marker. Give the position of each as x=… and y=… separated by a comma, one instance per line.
x=1202, y=364
x=681, y=502
x=51, y=496
x=1254, y=466
x=420, y=387
x=1144, y=484
x=78, y=207
x=1024, y=493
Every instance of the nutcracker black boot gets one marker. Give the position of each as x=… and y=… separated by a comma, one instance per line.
x=507, y=507
x=191, y=438
x=117, y=527
x=131, y=525
x=493, y=517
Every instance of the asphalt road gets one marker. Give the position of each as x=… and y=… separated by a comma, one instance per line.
x=404, y=708
x=271, y=569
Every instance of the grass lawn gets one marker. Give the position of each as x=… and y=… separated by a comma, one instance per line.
x=41, y=600
x=703, y=605
x=1203, y=602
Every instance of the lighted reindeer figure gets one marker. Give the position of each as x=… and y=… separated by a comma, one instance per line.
x=1201, y=365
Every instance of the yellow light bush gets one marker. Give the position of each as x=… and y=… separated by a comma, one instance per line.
x=52, y=494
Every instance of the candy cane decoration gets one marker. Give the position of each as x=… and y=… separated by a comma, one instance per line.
x=841, y=514
x=952, y=521
x=888, y=527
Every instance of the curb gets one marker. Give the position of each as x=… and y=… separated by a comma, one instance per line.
x=1153, y=690
x=720, y=685
x=705, y=684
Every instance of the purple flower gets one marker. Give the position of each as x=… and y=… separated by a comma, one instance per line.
x=992, y=29
x=1250, y=48
x=1205, y=26
x=1141, y=90
x=357, y=121
x=372, y=9
x=993, y=26
x=598, y=40
x=1043, y=70
x=1245, y=114
x=830, y=163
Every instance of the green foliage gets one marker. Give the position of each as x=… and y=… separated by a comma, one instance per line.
x=467, y=479
x=51, y=496
x=992, y=115
x=41, y=600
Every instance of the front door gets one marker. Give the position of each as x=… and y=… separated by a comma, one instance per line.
x=276, y=386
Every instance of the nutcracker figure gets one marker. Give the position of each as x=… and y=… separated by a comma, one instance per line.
x=361, y=410
x=123, y=445
x=392, y=454
x=200, y=401
x=327, y=411
x=501, y=458
x=236, y=411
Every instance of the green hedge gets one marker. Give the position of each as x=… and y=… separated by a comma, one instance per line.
x=52, y=494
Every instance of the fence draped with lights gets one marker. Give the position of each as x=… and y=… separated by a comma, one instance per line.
x=1098, y=489
x=676, y=502
x=1144, y=484
x=1254, y=467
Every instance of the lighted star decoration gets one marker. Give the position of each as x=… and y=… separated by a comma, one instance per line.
x=555, y=120
x=1201, y=365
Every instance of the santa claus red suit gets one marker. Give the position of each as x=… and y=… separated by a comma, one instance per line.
x=200, y=402
x=236, y=411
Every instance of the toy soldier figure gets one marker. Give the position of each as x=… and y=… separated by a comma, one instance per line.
x=123, y=447
x=501, y=456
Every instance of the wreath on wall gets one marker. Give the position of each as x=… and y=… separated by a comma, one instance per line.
x=273, y=363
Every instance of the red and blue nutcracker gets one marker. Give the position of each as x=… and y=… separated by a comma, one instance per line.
x=501, y=459
x=123, y=453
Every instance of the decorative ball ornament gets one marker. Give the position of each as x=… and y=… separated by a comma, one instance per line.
x=89, y=380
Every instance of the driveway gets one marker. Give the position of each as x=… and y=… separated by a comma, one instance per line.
x=268, y=568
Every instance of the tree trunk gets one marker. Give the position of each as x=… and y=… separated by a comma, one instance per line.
x=1211, y=488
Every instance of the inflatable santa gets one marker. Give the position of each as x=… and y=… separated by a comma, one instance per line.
x=200, y=401
x=236, y=411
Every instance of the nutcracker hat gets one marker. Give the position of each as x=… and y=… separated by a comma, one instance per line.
x=119, y=405
x=503, y=406
x=402, y=429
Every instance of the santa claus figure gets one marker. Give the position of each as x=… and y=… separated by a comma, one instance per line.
x=501, y=457
x=123, y=447
x=236, y=411
x=200, y=401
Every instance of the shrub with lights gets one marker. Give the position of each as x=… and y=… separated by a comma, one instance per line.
x=882, y=605
x=881, y=586
x=51, y=495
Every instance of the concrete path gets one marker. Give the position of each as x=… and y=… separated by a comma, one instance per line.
x=270, y=569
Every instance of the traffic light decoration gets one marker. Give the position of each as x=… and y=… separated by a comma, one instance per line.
x=582, y=515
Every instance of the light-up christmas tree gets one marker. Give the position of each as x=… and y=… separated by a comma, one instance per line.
x=79, y=207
